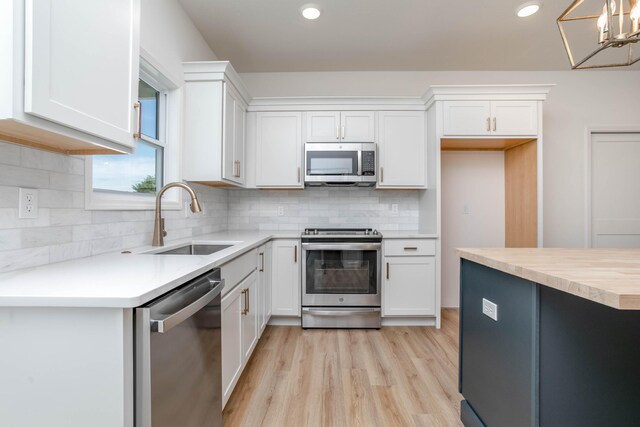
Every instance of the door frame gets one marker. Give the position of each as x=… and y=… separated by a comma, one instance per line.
x=589, y=132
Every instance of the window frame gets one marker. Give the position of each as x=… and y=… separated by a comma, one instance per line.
x=168, y=139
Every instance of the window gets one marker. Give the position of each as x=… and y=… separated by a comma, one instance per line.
x=141, y=172
x=130, y=181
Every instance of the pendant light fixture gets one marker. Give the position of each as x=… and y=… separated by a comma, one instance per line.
x=612, y=26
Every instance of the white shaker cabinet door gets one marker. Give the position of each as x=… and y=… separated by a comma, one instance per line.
x=286, y=278
x=467, y=118
x=357, y=126
x=514, y=117
x=232, y=354
x=401, y=150
x=409, y=287
x=323, y=126
x=81, y=65
x=279, y=150
x=250, y=312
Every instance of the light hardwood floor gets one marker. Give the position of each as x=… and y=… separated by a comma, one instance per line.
x=397, y=376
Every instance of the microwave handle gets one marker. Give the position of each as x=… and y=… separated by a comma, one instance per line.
x=359, y=163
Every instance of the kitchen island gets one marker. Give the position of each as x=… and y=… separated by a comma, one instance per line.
x=549, y=337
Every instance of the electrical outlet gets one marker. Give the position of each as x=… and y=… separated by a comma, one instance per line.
x=490, y=309
x=394, y=208
x=280, y=210
x=28, y=204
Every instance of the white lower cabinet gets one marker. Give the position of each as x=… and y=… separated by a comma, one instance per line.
x=264, y=285
x=409, y=281
x=250, y=309
x=232, y=354
x=286, y=277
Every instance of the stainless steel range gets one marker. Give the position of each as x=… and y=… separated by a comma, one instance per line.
x=341, y=278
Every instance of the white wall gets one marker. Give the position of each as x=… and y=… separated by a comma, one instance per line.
x=580, y=99
x=474, y=179
x=170, y=37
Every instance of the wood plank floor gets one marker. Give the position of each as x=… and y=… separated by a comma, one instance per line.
x=397, y=376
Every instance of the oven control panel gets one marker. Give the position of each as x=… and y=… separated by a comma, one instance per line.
x=368, y=163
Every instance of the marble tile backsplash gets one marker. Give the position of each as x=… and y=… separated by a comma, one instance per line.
x=64, y=229
x=323, y=207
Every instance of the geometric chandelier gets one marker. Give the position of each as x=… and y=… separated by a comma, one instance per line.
x=599, y=34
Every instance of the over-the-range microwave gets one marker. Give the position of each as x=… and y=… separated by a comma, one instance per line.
x=338, y=164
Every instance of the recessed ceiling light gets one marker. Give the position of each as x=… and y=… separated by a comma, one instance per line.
x=310, y=12
x=528, y=9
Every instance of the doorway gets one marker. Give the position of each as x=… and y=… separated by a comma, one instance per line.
x=614, y=191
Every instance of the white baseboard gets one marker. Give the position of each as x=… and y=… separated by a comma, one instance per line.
x=285, y=321
x=408, y=321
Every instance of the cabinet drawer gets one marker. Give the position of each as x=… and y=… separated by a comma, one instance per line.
x=409, y=247
x=235, y=271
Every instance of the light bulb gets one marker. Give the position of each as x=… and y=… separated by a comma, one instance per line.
x=635, y=17
x=311, y=13
x=602, y=22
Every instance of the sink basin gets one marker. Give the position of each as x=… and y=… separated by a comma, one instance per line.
x=194, y=249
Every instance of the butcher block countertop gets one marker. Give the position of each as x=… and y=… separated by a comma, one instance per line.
x=606, y=276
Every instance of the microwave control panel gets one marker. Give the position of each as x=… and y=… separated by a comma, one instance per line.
x=368, y=163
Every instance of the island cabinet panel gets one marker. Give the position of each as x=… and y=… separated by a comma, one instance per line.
x=498, y=358
x=589, y=362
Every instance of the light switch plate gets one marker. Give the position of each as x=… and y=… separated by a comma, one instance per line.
x=394, y=208
x=28, y=203
x=280, y=210
x=490, y=309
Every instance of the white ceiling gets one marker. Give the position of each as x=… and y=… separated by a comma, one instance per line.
x=372, y=35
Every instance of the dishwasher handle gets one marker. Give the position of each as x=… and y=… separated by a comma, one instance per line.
x=174, y=319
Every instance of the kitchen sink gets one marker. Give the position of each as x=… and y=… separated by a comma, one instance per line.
x=194, y=249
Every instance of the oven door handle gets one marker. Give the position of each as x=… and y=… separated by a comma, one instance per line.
x=341, y=246
x=340, y=312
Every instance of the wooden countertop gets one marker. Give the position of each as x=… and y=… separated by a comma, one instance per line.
x=606, y=276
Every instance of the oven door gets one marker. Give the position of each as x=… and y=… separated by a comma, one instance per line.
x=341, y=274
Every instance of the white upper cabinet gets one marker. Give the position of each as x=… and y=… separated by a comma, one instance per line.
x=279, y=150
x=333, y=126
x=401, y=148
x=467, y=117
x=323, y=126
x=70, y=70
x=514, y=117
x=490, y=118
x=357, y=126
x=215, y=104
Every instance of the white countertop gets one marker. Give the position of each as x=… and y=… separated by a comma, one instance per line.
x=130, y=280
x=121, y=280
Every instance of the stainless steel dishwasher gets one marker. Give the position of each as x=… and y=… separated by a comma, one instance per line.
x=179, y=358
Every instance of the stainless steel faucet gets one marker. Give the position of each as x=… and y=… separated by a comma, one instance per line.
x=158, y=227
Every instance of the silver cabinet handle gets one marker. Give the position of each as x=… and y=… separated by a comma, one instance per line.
x=387, y=271
x=342, y=132
x=488, y=124
x=239, y=173
x=138, y=107
x=261, y=261
x=248, y=299
x=337, y=131
x=295, y=253
x=495, y=121
x=411, y=248
x=245, y=310
x=298, y=175
x=381, y=174
x=174, y=319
